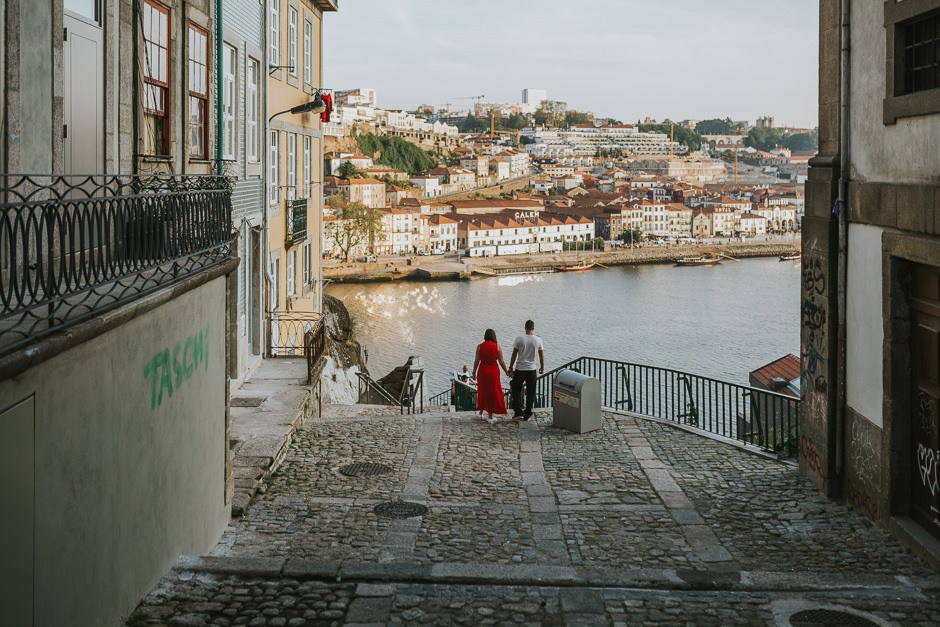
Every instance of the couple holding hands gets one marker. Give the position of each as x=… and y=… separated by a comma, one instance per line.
x=525, y=364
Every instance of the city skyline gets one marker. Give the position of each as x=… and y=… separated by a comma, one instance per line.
x=682, y=59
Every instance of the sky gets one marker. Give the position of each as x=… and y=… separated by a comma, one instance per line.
x=624, y=59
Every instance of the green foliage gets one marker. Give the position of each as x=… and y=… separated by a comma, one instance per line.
x=357, y=224
x=473, y=124
x=397, y=153
x=578, y=117
x=516, y=121
x=347, y=171
x=802, y=141
x=764, y=138
x=550, y=113
x=715, y=127
x=632, y=236
x=682, y=134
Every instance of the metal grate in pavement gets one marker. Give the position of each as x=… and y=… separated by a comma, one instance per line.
x=829, y=618
x=364, y=469
x=246, y=401
x=400, y=510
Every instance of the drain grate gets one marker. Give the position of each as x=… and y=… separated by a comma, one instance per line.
x=829, y=618
x=400, y=510
x=364, y=469
x=246, y=401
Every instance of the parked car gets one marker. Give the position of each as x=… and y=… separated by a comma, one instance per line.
x=437, y=251
x=423, y=253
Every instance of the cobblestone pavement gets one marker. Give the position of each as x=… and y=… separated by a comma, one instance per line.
x=638, y=523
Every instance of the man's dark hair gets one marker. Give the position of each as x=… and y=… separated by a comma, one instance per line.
x=529, y=325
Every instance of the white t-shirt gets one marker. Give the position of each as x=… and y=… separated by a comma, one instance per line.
x=528, y=347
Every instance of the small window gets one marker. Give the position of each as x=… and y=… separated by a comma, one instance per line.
x=275, y=53
x=273, y=157
x=291, y=270
x=308, y=52
x=229, y=65
x=292, y=41
x=291, y=166
x=912, y=30
x=155, y=61
x=251, y=109
x=198, y=92
x=307, y=155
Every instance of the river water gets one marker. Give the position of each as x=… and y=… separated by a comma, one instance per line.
x=720, y=321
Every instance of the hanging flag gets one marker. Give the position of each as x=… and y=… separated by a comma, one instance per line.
x=328, y=101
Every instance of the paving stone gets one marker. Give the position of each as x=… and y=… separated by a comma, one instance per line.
x=671, y=527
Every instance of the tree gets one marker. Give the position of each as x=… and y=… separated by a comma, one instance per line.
x=473, y=124
x=802, y=141
x=347, y=170
x=764, y=138
x=578, y=117
x=632, y=236
x=355, y=224
x=681, y=134
x=715, y=127
x=550, y=113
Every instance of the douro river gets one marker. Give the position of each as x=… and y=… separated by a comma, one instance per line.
x=719, y=321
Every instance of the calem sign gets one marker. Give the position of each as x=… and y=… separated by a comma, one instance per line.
x=525, y=215
x=169, y=369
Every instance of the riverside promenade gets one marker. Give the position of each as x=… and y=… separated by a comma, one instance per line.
x=638, y=523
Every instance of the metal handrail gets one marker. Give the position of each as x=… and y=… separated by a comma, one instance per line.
x=74, y=247
x=288, y=331
x=314, y=348
x=765, y=419
x=373, y=386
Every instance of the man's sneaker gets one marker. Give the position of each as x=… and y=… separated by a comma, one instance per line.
x=517, y=417
x=527, y=417
x=492, y=420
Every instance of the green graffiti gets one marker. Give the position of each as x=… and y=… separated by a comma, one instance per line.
x=168, y=370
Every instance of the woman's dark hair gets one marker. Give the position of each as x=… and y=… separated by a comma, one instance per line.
x=490, y=335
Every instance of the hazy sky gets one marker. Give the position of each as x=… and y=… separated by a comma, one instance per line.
x=626, y=59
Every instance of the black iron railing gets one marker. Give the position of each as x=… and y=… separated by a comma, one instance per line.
x=410, y=399
x=314, y=348
x=296, y=221
x=768, y=420
x=72, y=247
x=289, y=332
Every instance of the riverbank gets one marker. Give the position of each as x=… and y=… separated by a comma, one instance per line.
x=451, y=268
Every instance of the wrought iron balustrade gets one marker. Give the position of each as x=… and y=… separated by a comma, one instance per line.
x=289, y=332
x=314, y=348
x=296, y=221
x=765, y=419
x=73, y=247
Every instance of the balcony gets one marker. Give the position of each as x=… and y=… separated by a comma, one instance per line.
x=74, y=247
x=296, y=221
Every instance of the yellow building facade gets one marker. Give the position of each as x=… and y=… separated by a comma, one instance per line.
x=294, y=194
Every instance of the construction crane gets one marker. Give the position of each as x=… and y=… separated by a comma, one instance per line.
x=476, y=108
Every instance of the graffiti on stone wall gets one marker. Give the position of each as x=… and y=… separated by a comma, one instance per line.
x=862, y=454
x=928, y=460
x=813, y=461
x=169, y=369
x=862, y=501
x=926, y=413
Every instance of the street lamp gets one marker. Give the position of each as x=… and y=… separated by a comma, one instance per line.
x=317, y=105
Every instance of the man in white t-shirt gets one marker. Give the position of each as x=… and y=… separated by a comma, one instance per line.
x=527, y=348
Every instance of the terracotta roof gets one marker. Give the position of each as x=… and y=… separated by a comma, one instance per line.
x=787, y=368
x=363, y=182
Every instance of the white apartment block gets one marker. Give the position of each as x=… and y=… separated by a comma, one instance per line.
x=368, y=192
x=430, y=186
x=499, y=235
x=442, y=233
x=400, y=230
x=752, y=224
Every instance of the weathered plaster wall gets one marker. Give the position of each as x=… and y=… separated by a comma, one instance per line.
x=905, y=152
x=864, y=323
x=130, y=448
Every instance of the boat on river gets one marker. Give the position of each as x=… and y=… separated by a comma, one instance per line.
x=577, y=267
x=790, y=257
x=698, y=261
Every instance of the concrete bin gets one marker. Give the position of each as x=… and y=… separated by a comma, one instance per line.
x=576, y=402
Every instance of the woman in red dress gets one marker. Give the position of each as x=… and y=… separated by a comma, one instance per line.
x=486, y=365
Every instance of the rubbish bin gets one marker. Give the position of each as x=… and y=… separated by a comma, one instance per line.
x=576, y=402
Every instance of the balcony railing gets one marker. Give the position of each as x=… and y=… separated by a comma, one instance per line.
x=289, y=330
x=296, y=221
x=73, y=247
x=314, y=348
x=767, y=420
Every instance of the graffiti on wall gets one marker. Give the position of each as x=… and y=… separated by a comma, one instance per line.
x=814, y=314
x=169, y=369
x=813, y=460
x=862, y=501
x=862, y=454
x=928, y=460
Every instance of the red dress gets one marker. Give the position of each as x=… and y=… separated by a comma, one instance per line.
x=489, y=389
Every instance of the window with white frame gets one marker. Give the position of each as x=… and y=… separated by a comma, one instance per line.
x=292, y=40
x=308, y=251
x=275, y=54
x=308, y=52
x=306, y=188
x=291, y=263
x=291, y=165
x=198, y=91
x=156, y=77
x=273, y=183
x=229, y=64
x=252, y=108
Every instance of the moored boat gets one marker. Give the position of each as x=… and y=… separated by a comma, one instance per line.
x=790, y=257
x=576, y=268
x=698, y=261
